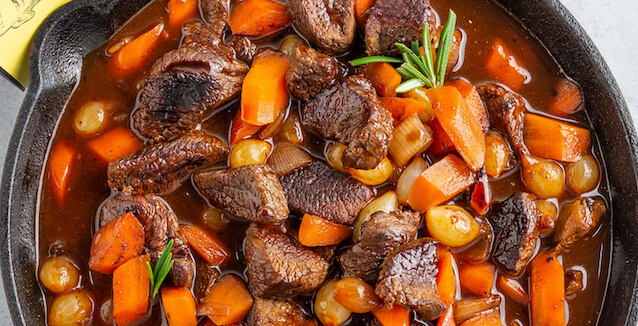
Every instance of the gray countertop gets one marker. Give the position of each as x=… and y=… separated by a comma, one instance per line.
x=610, y=23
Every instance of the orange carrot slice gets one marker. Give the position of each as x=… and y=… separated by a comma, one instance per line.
x=550, y=138
x=227, y=302
x=115, y=243
x=60, y=167
x=179, y=306
x=132, y=56
x=258, y=17
x=206, y=245
x=131, y=291
x=477, y=279
x=502, y=64
x=445, y=280
x=547, y=290
x=179, y=11
x=397, y=316
x=567, y=99
x=383, y=76
x=114, y=144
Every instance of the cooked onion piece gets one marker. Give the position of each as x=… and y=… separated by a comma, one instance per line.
x=356, y=295
x=544, y=178
x=452, y=225
x=409, y=138
x=327, y=309
x=249, y=151
x=583, y=175
x=91, y=118
x=73, y=308
x=497, y=154
x=334, y=155
x=286, y=157
x=376, y=176
x=387, y=202
x=407, y=178
x=59, y=275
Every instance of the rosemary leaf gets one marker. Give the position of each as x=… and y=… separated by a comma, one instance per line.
x=415, y=47
x=163, y=256
x=163, y=272
x=366, y=60
x=409, y=85
x=150, y=272
x=445, y=46
x=404, y=73
x=427, y=57
x=419, y=75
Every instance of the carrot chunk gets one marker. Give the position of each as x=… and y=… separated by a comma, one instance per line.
x=114, y=144
x=258, y=17
x=477, y=279
x=360, y=9
x=547, y=291
x=567, y=99
x=512, y=288
x=459, y=124
x=474, y=102
x=179, y=306
x=264, y=93
x=402, y=108
x=445, y=280
x=131, y=291
x=206, y=245
x=179, y=11
x=441, y=142
x=552, y=139
x=239, y=129
x=439, y=183
x=448, y=318
x=397, y=316
x=492, y=318
x=132, y=56
x=502, y=64
x=60, y=167
x=315, y=231
x=383, y=76
x=227, y=302
x=115, y=243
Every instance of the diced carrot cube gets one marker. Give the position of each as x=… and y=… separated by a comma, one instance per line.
x=360, y=9
x=131, y=291
x=383, y=76
x=114, y=144
x=567, y=99
x=258, y=17
x=227, y=302
x=547, y=290
x=315, y=231
x=477, y=279
x=115, y=243
x=132, y=56
x=179, y=306
x=502, y=64
x=474, y=102
x=397, y=316
x=206, y=245
x=179, y=11
x=264, y=92
x=552, y=139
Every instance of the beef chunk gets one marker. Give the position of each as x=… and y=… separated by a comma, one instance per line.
x=507, y=111
x=408, y=278
x=310, y=72
x=319, y=190
x=573, y=282
x=352, y=114
x=160, y=225
x=159, y=168
x=397, y=21
x=216, y=14
x=516, y=227
x=187, y=83
x=278, y=266
x=206, y=277
x=330, y=24
x=269, y=312
x=250, y=191
x=245, y=49
x=577, y=220
x=196, y=34
x=379, y=236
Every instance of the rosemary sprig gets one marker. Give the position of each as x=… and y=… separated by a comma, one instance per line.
x=162, y=268
x=418, y=69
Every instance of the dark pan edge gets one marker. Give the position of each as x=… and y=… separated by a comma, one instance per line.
x=22, y=169
x=60, y=42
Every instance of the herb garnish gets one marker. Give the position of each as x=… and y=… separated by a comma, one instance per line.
x=416, y=68
x=163, y=266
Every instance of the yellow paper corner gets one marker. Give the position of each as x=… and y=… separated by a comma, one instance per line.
x=19, y=20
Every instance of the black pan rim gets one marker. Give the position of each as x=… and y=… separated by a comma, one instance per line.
x=620, y=310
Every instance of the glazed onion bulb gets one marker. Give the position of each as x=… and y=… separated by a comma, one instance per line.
x=73, y=308
x=59, y=275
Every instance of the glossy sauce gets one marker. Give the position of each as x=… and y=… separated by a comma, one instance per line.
x=71, y=225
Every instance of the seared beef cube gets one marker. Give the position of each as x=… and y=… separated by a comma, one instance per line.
x=206, y=277
x=280, y=267
x=352, y=114
x=245, y=49
x=379, y=236
x=197, y=34
x=160, y=225
x=159, y=168
x=516, y=227
x=330, y=24
x=252, y=192
x=310, y=72
x=270, y=312
x=507, y=111
x=577, y=220
x=216, y=14
x=319, y=190
x=187, y=83
x=408, y=278
x=397, y=21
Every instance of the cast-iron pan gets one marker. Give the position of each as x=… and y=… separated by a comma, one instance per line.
x=82, y=25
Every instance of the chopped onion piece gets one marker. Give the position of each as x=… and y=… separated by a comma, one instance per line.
x=286, y=157
x=407, y=178
x=409, y=138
